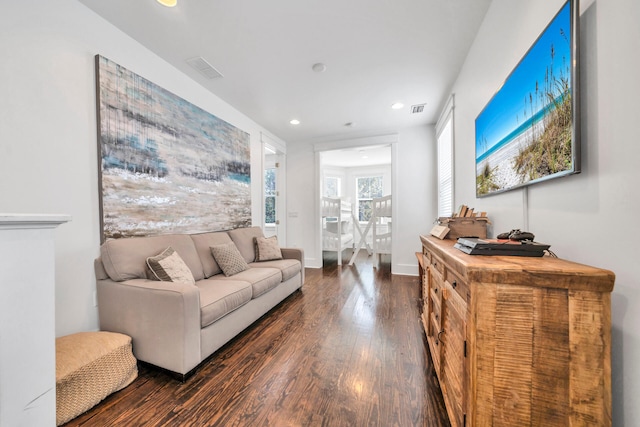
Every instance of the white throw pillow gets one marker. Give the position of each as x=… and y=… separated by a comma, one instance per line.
x=169, y=267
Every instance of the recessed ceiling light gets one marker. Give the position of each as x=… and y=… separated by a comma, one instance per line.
x=319, y=67
x=294, y=121
x=397, y=105
x=168, y=3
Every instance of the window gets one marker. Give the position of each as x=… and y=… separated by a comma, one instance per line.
x=270, y=196
x=368, y=188
x=331, y=186
x=444, y=135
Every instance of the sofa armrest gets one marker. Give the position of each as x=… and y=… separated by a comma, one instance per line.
x=162, y=318
x=98, y=268
x=295, y=253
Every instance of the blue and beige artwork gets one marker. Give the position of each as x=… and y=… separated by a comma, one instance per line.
x=167, y=166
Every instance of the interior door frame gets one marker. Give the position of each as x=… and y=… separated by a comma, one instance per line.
x=270, y=146
x=318, y=148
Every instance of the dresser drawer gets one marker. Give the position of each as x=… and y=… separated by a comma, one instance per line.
x=434, y=349
x=436, y=264
x=458, y=284
x=436, y=306
x=436, y=281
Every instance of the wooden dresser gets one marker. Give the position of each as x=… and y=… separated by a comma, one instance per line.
x=518, y=341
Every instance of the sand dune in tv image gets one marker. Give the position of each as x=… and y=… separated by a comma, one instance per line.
x=525, y=131
x=167, y=165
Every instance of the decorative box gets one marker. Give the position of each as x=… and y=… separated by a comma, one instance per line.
x=465, y=227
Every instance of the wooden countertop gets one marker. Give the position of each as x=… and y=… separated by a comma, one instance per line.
x=544, y=271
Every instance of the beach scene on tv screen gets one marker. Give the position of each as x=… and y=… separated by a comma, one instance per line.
x=524, y=134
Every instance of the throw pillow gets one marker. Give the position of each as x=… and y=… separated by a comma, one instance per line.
x=267, y=248
x=169, y=267
x=229, y=258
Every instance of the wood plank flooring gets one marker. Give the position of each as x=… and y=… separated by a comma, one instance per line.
x=346, y=350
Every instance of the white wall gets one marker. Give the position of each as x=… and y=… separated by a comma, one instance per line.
x=591, y=218
x=48, y=148
x=414, y=197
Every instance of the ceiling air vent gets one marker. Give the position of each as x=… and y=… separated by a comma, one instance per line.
x=415, y=109
x=200, y=64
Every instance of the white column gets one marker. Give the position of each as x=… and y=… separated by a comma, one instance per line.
x=27, y=319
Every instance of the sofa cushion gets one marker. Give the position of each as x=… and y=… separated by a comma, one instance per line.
x=125, y=259
x=262, y=279
x=267, y=248
x=220, y=297
x=203, y=242
x=169, y=267
x=229, y=259
x=244, y=238
x=288, y=267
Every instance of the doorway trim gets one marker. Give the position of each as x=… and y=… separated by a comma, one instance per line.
x=339, y=144
x=270, y=144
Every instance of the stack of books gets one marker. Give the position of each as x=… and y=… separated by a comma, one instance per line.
x=466, y=212
x=476, y=246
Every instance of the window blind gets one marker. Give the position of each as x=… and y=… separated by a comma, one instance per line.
x=444, y=135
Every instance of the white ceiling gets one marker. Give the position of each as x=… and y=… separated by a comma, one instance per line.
x=357, y=156
x=377, y=52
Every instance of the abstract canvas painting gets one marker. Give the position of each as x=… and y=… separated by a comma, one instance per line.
x=166, y=165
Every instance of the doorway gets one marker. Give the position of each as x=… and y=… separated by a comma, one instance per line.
x=273, y=200
x=350, y=180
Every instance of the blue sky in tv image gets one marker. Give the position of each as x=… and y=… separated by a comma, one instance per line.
x=514, y=106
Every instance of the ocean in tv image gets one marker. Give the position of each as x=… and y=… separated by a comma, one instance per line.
x=525, y=132
x=167, y=166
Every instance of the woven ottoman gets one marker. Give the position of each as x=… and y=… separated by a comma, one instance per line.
x=89, y=367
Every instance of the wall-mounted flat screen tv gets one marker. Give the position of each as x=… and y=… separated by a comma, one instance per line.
x=530, y=130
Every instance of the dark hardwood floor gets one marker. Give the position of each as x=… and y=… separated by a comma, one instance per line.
x=346, y=350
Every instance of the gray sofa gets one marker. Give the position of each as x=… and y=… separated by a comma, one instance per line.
x=174, y=325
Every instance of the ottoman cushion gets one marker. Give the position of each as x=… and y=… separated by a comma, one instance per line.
x=89, y=367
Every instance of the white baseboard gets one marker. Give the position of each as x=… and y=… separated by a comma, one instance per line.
x=312, y=263
x=401, y=269
x=405, y=269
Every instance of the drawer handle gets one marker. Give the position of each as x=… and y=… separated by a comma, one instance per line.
x=435, y=290
x=454, y=284
x=438, y=337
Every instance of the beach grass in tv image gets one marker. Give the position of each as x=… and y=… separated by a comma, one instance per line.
x=525, y=134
